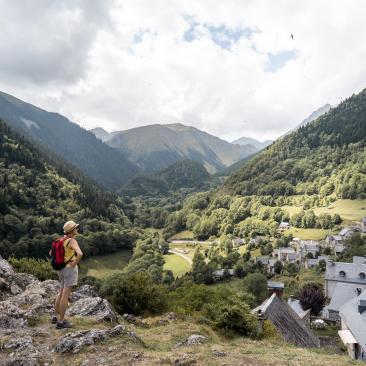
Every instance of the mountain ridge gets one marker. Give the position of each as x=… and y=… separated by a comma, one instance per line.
x=110, y=168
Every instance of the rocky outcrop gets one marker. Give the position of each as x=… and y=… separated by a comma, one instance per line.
x=73, y=343
x=23, y=352
x=24, y=299
x=98, y=308
x=193, y=340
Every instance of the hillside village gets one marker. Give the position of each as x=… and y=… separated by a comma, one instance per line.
x=344, y=286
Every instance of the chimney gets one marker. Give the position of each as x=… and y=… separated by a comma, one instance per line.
x=361, y=306
x=275, y=287
x=261, y=318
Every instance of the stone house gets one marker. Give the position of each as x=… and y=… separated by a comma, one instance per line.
x=286, y=321
x=313, y=262
x=304, y=247
x=237, y=242
x=284, y=226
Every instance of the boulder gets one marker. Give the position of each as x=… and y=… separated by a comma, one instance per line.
x=96, y=307
x=82, y=292
x=5, y=268
x=193, y=340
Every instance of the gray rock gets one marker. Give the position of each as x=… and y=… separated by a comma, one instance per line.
x=15, y=289
x=193, y=340
x=82, y=292
x=218, y=353
x=135, y=321
x=5, y=268
x=171, y=316
x=96, y=307
x=72, y=343
x=24, y=353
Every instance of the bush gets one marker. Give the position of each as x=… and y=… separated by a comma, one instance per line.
x=256, y=284
x=135, y=294
x=232, y=317
x=39, y=268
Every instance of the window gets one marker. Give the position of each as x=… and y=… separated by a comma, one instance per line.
x=342, y=274
x=362, y=275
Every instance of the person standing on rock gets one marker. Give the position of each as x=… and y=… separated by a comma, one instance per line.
x=68, y=275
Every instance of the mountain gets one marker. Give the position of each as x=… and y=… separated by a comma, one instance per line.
x=40, y=191
x=155, y=147
x=324, y=157
x=316, y=114
x=185, y=174
x=108, y=167
x=251, y=141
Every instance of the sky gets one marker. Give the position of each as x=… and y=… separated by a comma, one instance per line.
x=227, y=67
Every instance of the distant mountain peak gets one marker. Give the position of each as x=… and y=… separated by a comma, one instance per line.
x=258, y=145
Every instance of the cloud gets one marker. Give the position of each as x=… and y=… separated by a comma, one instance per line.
x=229, y=68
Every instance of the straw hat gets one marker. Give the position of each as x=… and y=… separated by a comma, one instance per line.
x=70, y=226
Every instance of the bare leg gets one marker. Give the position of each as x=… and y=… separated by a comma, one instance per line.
x=64, y=302
x=57, y=303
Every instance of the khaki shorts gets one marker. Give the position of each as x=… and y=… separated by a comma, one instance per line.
x=68, y=276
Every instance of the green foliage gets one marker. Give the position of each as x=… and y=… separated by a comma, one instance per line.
x=38, y=193
x=39, y=268
x=324, y=157
x=135, y=294
x=355, y=246
x=256, y=284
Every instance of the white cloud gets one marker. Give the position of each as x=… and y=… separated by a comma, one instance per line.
x=129, y=63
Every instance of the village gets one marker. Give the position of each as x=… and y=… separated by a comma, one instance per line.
x=344, y=286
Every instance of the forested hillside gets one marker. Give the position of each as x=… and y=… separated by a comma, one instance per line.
x=324, y=157
x=108, y=167
x=186, y=174
x=39, y=192
x=311, y=167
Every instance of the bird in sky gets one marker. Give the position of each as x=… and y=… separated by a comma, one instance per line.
x=292, y=36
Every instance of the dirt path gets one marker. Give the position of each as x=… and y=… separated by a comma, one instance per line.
x=189, y=260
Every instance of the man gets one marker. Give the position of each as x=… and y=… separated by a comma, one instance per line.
x=68, y=276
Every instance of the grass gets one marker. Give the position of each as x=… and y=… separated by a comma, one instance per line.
x=177, y=264
x=349, y=210
x=103, y=265
x=185, y=234
x=309, y=234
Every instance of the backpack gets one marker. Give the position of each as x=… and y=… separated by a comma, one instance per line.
x=58, y=254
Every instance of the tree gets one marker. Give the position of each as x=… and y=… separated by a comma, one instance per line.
x=311, y=296
x=256, y=284
x=278, y=267
x=322, y=265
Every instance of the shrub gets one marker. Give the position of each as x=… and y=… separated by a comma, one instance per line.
x=39, y=268
x=234, y=317
x=135, y=294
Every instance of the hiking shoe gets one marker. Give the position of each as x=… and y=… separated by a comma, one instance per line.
x=63, y=325
x=54, y=320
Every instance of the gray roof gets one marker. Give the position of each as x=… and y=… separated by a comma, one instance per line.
x=287, y=322
x=272, y=284
x=352, y=272
x=344, y=231
x=263, y=259
x=342, y=293
x=220, y=272
x=296, y=306
x=355, y=321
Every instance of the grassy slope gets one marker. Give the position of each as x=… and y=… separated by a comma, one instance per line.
x=159, y=348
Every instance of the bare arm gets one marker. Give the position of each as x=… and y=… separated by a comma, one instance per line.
x=74, y=245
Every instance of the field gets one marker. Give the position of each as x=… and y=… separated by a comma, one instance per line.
x=349, y=210
x=186, y=234
x=177, y=264
x=102, y=265
x=309, y=234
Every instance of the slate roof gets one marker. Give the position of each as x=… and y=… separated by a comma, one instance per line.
x=352, y=271
x=355, y=321
x=295, y=306
x=342, y=293
x=345, y=231
x=287, y=322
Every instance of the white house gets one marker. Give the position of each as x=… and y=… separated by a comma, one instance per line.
x=353, y=324
x=340, y=272
x=284, y=226
x=237, y=242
